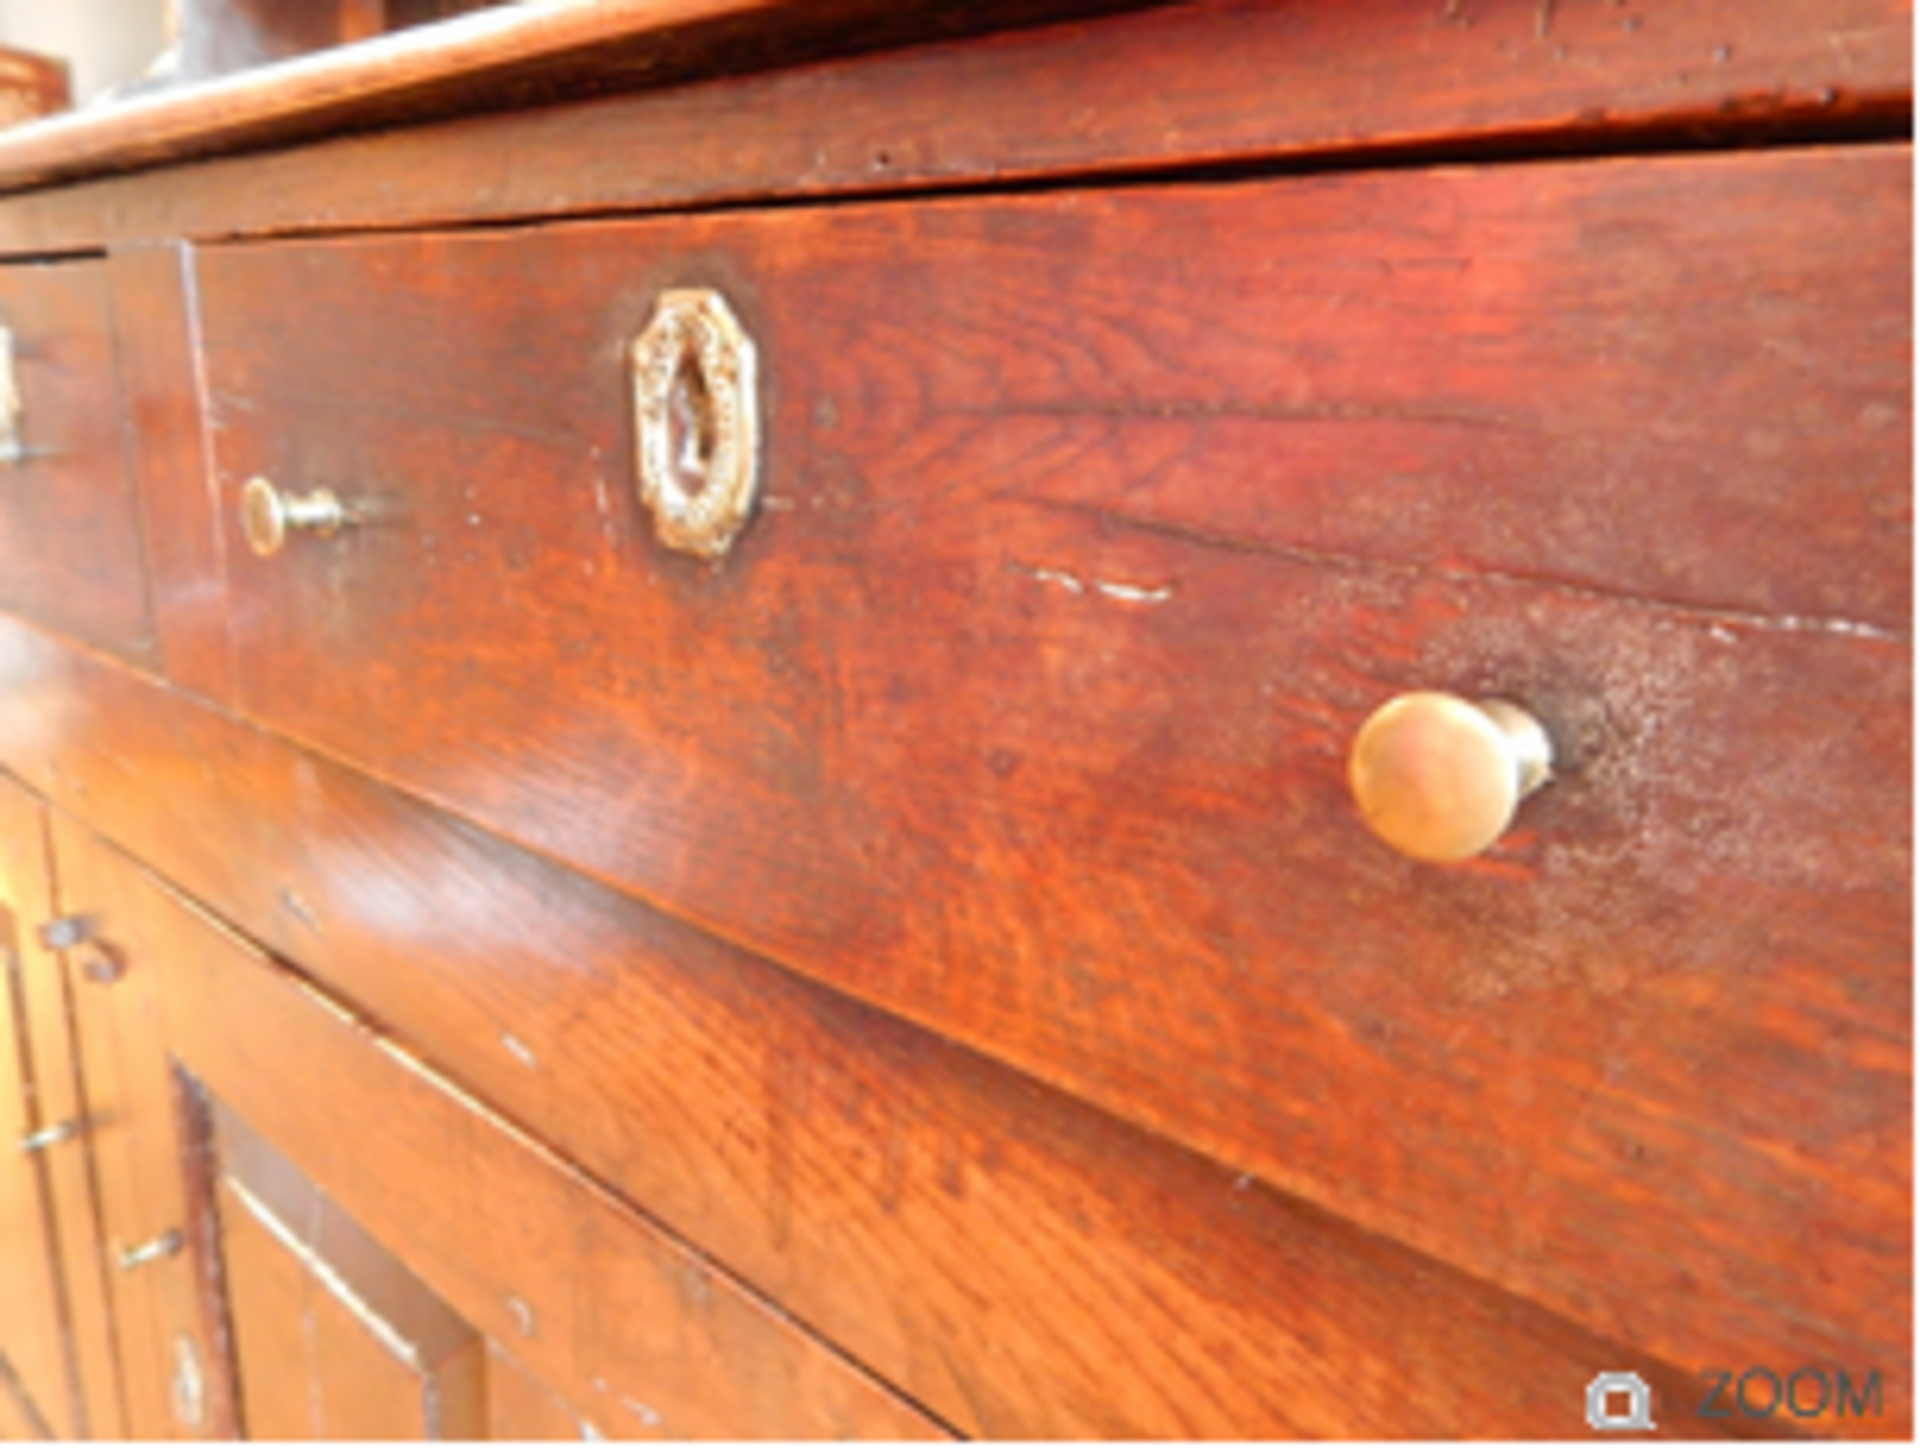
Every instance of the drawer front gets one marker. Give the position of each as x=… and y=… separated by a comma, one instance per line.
x=70, y=538
x=1018, y=1263
x=1091, y=527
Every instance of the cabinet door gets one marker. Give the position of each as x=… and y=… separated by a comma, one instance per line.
x=384, y=1255
x=37, y=1128
x=244, y=1299
x=33, y=1366
x=335, y=1337
x=147, y=1142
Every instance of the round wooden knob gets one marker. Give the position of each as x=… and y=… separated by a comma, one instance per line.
x=267, y=515
x=1438, y=777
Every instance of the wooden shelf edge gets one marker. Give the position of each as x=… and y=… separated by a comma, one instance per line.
x=520, y=55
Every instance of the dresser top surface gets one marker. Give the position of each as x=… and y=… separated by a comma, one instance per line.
x=506, y=57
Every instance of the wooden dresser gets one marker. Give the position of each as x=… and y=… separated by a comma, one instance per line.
x=679, y=687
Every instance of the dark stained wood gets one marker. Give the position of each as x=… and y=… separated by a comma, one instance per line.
x=69, y=527
x=1021, y=709
x=1221, y=81
x=1026, y=1267
x=219, y=1378
x=27, y=903
x=502, y=1231
x=159, y=375
x=506, y=56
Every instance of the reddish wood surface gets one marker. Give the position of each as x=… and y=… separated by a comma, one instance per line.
x=26, y=896
x=1026, y=1266
x=166, y=425
x=140, y=1149
x=494, y=1225
x=503, y=56
x=521, y=1408
x=19, y=1422
x=69, y=530
x=1021, y=709
x=220, y=1408
x=336, y=1339
x=267, y=1297
x=34, y=1343
x=1214, y=82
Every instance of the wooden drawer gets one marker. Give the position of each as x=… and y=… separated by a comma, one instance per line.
x=1018, y=1263
x=1093, y=524
x=70, y=538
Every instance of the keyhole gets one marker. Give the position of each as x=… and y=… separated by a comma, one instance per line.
x=690, y=423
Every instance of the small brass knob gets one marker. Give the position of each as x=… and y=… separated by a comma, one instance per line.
x=267, y=515
x=1438, y=777
x=49, y=1136
x=156, y=1249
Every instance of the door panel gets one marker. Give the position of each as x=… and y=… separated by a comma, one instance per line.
x=493, y=1225
x=32, y=1333
x=145, y=1132
x=36, y=1365
x=522, y=1408
x=335, y=1338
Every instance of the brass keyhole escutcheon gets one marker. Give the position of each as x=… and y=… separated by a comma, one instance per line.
x=697, y=422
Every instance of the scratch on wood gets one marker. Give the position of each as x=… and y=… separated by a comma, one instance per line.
x=519, y=1050
x=522, y=1315
x=298, y=908
x=641, y=1411
x=1692, y=613
x=1055, y=575
x=1543, y=20
x=1073, y=583
x=1192, y=409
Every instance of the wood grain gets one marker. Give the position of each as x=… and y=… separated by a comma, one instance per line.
x=267, y=1296
x=166, y=425
x=503, y=56
x=1221, y=82
x=1021, y=709
x=27, y=900
x=141, y=1154
x=487, y=1219
x=336, y=1339
x=1026, y=1266
x=521, y=1408
x=69, y=527
x=34, y=1342
x=18, y=1420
